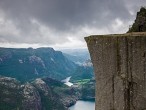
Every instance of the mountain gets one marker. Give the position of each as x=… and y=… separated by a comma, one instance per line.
x=83, y=73
x=40, y=94
x=28, y=64
x=140, y=22
x=78, y=56
x=35, y=84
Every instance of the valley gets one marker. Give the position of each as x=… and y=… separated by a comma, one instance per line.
x=44, y=79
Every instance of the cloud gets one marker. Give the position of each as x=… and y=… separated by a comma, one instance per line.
x=63, y=23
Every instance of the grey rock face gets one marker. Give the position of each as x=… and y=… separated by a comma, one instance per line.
x=37, y=95
x=120, y=69
x=14, y=95
x=32, y=99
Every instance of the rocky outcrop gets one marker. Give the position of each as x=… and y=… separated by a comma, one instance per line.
x=49, y=98
x=32, y=99
x=11, y=95
x=140, y=23
x=120, y=70
x=60, y=92
x=16, y=96
x=41, y=94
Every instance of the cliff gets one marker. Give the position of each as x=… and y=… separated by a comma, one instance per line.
x=119, y=62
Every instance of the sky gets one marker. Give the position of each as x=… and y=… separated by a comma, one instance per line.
x=62, y=23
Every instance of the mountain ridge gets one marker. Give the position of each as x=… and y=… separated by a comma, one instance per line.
x=28, y=63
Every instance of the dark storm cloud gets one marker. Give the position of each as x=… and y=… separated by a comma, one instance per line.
x=63, y=13
x=41, y=21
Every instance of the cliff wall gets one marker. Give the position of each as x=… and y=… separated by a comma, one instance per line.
x=120, y=69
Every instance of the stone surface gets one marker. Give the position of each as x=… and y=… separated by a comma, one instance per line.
x=120, y=64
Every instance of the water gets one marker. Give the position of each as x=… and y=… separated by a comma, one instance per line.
x=80, y=105
x=66, y=81
x=83, y=105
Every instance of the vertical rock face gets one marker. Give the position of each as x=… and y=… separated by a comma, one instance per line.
x=120, y=64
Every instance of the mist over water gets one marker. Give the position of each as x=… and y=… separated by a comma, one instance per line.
x=83, y=105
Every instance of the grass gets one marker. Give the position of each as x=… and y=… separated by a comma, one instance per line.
x=81, y=82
